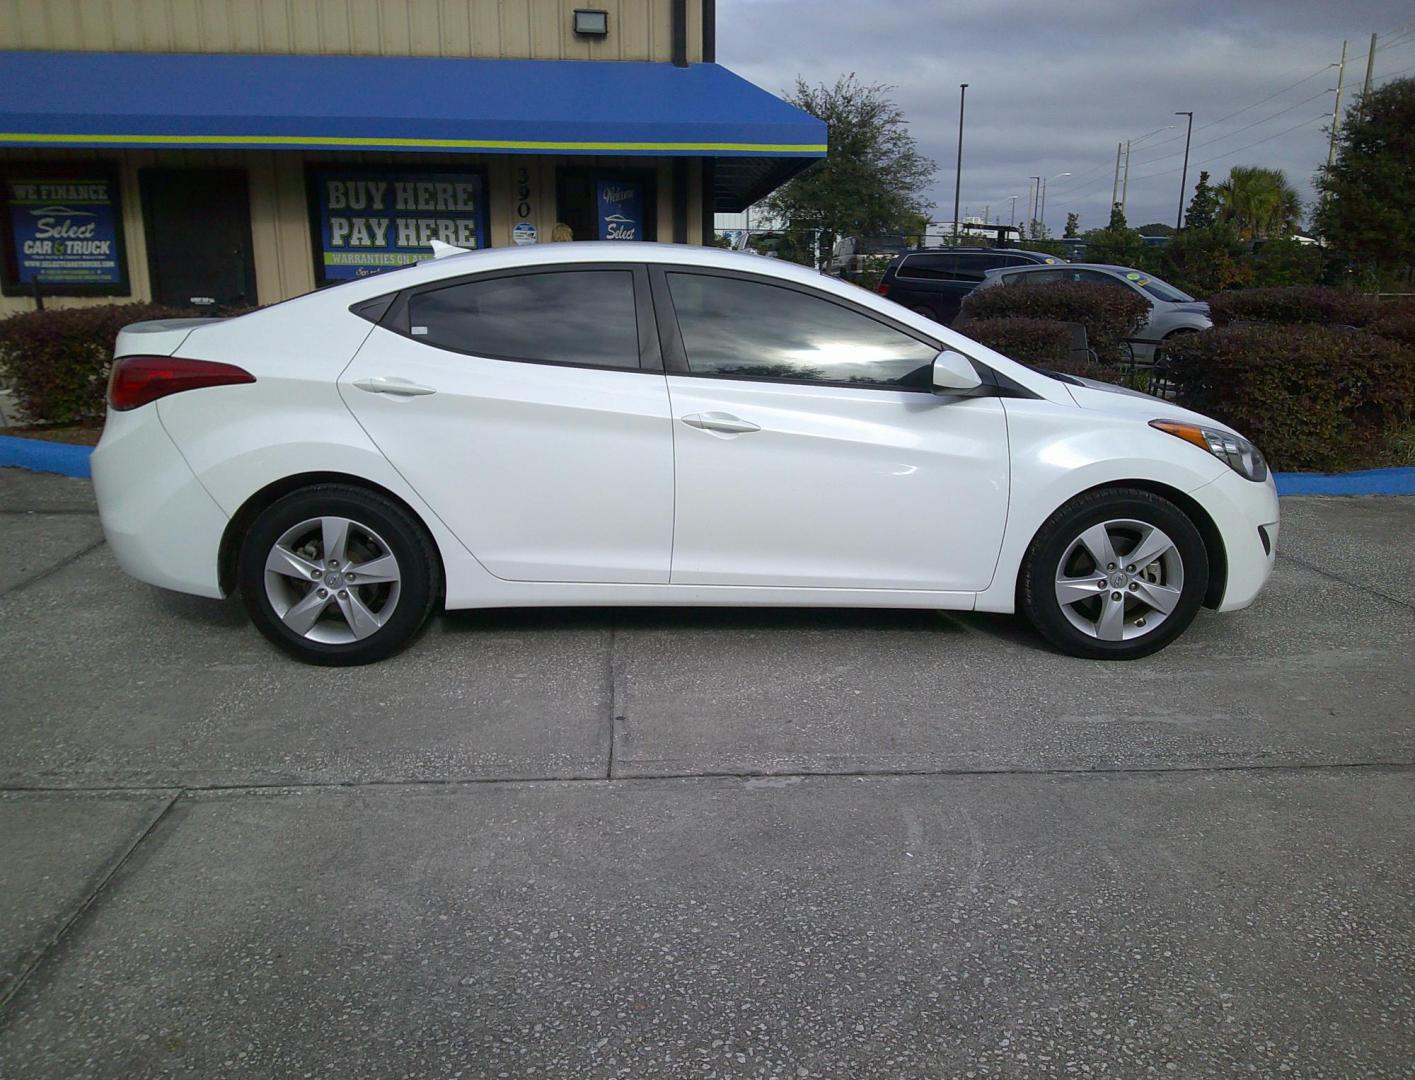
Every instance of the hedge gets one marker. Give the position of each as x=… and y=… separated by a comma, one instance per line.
x=1110, y=315
x=1311, y=397
x=56, y=361
x=1291, y=306
x=1043, y=343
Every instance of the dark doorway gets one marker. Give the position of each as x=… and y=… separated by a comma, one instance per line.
x=585, y=201
x=198, y=228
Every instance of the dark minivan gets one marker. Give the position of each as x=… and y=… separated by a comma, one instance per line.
x=934, y=281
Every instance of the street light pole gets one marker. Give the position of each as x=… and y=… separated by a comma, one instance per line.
x=958, y=175
x=1184, y=176
x=1032, y=194
x=1012, y=213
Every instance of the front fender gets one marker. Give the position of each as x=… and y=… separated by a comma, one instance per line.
x=1058, y=452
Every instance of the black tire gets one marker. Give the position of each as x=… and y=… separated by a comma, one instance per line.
x=1058, y=538
x=389, y=525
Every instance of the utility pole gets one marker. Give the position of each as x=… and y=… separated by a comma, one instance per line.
x=958, y=175
x=1184, y=177
x=1370, y=66
x=1042, y=213
x=1012, y=213
x=1336, y=110
x=1125, y=183
x=1115, y=184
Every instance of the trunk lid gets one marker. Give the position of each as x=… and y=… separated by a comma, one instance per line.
x=157, y=337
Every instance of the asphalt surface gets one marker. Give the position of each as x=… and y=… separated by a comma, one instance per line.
x=697, y=843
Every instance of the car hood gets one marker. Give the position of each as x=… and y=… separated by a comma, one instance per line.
x=1122, y=401
x=1198, y=307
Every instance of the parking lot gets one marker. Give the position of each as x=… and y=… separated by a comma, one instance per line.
x=685, y=842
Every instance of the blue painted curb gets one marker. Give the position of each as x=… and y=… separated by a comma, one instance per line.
x=1366, y=482
x=70, y=459
x=39, y=455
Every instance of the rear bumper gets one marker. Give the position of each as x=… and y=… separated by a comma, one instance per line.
x=160, y=522
x=1247, y=518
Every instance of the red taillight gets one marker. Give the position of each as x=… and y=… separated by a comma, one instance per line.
x=882, y=288
x=136, y=380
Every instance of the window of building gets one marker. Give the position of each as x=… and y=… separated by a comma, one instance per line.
x=583, y=317
x=749, y=329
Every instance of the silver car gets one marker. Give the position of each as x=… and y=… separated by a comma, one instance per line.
x=1172, y=312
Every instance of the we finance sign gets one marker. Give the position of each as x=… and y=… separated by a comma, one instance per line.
x=370, y=221
x=63, y=234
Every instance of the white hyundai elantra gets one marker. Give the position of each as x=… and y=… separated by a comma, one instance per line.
x=622, y=424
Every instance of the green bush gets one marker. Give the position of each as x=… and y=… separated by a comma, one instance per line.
x=1292, y=306
x=56, y=361
x=1043, y=343
x=1311, y=397
x=1204, y=261
x=1109, y=315
x=1397, y=325
x=1285, y=261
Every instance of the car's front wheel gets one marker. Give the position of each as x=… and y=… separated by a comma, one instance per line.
x=1114, y=574
x=338, y=575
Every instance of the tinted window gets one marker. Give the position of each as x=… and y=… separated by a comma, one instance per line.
x=1034, y=277
x=1095, y=277
x=573, y=317
x=753, y=330
x=971, y=267
x=929, y=267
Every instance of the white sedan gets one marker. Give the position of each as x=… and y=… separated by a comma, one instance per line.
x=622, y=424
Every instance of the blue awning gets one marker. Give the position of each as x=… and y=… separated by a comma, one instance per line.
x=360, y=103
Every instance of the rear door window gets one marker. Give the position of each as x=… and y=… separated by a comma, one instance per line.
x=929, y=267
x=583, y=317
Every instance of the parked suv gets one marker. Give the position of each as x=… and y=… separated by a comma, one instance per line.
x=1172, y=311
x=934, y=281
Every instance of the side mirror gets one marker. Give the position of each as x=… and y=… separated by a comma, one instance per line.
x=955, y=375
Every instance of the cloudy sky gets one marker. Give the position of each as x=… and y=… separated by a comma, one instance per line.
x=1052, y=87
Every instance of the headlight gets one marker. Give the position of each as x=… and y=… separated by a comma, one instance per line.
x=1233, y=450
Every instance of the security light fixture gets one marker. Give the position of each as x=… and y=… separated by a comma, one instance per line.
x=591, y=22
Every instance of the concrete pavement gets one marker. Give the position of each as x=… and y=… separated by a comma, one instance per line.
x=704, y=842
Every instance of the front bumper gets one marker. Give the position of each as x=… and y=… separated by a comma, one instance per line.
x=160, y=522
x=1240, y=509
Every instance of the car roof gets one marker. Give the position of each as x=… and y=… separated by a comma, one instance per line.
x=1071, y=266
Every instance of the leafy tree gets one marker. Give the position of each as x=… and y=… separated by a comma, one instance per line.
x=1117, y=243
x=1073, y=227
x=873, y=179
x=1154, y=228
x=1203, y=207
x=1368, y=209
x=1203, y=261
x=1259, y=202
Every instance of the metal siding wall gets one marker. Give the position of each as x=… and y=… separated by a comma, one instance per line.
x=541, y=29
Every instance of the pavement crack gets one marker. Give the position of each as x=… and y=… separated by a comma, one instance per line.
x=1346, y=581
x=48, y=947
x=51, y=571
x=277, y=787
x=616, y=695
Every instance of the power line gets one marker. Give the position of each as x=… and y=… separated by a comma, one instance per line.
x=1090, y=178
x=1236, y=131
x=1239, y=150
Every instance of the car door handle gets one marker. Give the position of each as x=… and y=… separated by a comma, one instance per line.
x=387, y=384
x=724, y=422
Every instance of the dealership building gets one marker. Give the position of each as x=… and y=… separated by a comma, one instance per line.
x=223, y=153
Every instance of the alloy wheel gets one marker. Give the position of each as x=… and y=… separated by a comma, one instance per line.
x=332, y=580
x=1119, y=580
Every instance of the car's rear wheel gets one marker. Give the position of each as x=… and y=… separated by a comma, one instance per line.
x=1114, y=574
x=338, y=575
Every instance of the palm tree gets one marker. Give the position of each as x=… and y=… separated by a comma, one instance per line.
x=1259, y=202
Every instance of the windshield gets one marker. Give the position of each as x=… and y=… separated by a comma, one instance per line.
x=1160, y=290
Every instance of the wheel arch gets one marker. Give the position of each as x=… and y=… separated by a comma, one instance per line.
x=241, y=520
x=1193, y=510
